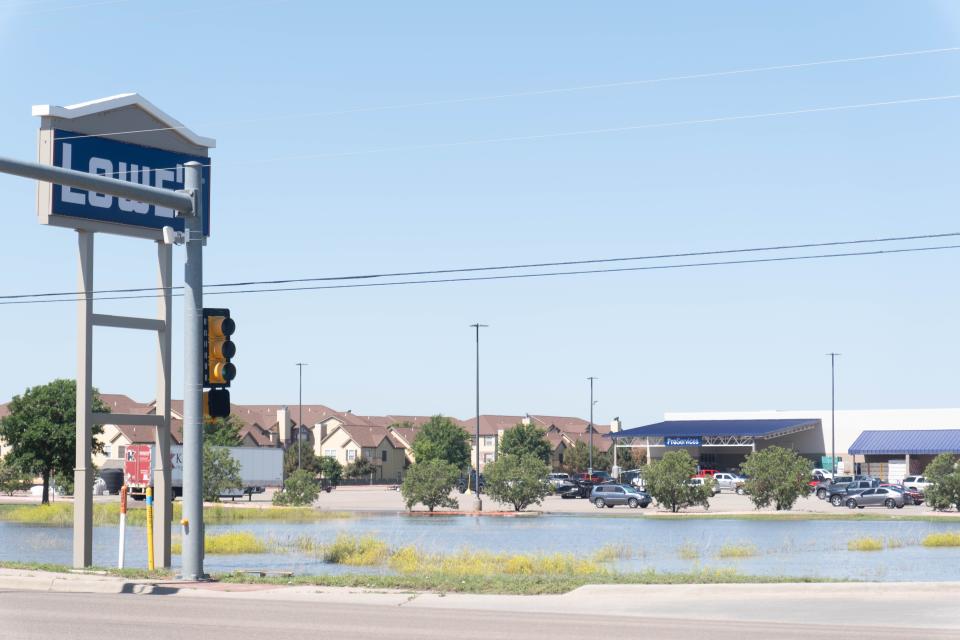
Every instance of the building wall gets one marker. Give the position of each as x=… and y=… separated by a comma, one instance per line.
x=339, y=445
x=488, y=450
x=392, y=468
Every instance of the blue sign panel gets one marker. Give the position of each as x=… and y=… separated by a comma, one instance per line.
x=682, y=441
x=123, y=161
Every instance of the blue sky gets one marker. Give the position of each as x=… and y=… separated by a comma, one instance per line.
x=292, y=198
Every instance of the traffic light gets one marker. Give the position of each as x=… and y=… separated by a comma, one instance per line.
x=216, y=403
x=218, y=349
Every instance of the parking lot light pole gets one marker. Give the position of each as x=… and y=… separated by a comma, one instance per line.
x=590, y=466
x=478, y=503
x=833, y=413
x=300, y=365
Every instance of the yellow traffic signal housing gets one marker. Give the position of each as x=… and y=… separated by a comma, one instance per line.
x=216, y=403
x=218, y=348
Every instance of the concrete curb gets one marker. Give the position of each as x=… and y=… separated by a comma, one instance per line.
x=28, y=580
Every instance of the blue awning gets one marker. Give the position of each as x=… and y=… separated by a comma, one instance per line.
x=904, y=441
x=742, y=428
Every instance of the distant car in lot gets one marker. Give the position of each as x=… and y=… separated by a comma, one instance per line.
x=822, y=474
x=826, y=487
x=917, y=483
x=574, y=488
x=839, y=492
x=706, y=473
x=611, y=495
x=558, y=479
x=701, y=481
x=596, y=477
x=910, y=496
x=727, y=481
x=876, y=497
x=471, y=480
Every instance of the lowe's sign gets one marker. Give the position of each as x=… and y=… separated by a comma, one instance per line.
x=682, y=441
x=124, y=161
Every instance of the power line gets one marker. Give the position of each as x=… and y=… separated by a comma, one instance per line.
x=523, y=275
x=540, y=92
x=511, y=267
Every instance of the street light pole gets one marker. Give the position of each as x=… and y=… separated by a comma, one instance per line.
x=300, y=365
x=833, y=413
x=590, y=466
x=478, y=503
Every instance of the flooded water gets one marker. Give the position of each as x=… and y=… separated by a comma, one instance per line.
x=812, y=548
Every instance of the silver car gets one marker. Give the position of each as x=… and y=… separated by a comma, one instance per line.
x=877, y=497
x=727, y=481
x=609, y=495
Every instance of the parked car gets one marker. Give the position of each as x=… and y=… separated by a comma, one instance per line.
x=910, y=496
x=558, y=479
x=576, y=489
x=611, y=495
x=727, y=481
x=700, y=481
x=823, y=489
x=839, y=492
x=822, y=474
x=598, y=476
x=876, y=497
x=917, y=483
x=472, y=480
x=706, y=473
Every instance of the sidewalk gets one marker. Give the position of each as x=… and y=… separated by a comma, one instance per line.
x=932, y=605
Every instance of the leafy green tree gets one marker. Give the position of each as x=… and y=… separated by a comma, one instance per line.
x=577, y=458
x=776, y=476
x=331, y=470
x=300, y=489
x=441, y=439
x=41, y=429
x=944, y=492
x=223, y=432
x=630, y=458
x=220, y=472
x=526, y=440
x=667, y=480
x=12, y=478
x=359, y=468
x=307, y=460
x=430, y=483
x=519, y=480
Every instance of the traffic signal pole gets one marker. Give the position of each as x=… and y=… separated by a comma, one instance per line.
x=192, y=559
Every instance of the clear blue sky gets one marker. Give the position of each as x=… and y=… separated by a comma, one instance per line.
x=734, y=337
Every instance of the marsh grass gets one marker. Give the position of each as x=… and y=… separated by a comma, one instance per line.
x=946, y=539
x=613, y=552
x=689, y=551
x=865, y=544
x=364, y=551
x=231, y=543
x=60, y=514
x=742, y=550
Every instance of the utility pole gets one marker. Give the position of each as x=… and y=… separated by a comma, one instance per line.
x=478, y=503
x=590, y=467
x=833, y=413
x=192, y=559
x=300, y=365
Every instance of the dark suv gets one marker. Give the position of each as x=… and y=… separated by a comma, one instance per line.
x=610, y=495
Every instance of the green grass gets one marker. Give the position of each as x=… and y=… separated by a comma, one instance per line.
x=232, y=543
x=60, y=514
x=364, y=551
x=133, y=574
x=743, y=550
x=865, y=544
x=947, y=539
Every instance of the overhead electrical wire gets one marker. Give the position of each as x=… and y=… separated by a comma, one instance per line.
x=508, y=267
x=512, y=276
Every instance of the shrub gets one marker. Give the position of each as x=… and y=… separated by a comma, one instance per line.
x=944, y=492
x=300, y=489
x=430, y=483
x=776, y=476
x=357, y=552
x=865, y=544
x=668, y=481
x=12, y=478
x=737, y=551
x=948, y=539
x=518, y=480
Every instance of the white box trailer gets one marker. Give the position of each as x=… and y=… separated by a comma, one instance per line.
x=260, y=467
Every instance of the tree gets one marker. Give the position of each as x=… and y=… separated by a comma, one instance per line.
x=524, y=440
x=331, y=470
x=519, y=480
x=577, y=458
x=223, y=432
x=41, y=429
x=300, y=489
x=12, y=478
x=220, y=472
x=668, y=481
x=630, y=458
x=306, y=459
x=944, y=475
x=359, y=468
x=776, y=475
x=430, y=483
x=441, y=439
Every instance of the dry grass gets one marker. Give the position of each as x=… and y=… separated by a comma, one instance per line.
x=233, y=543
x=946, y=539
x=688, y=551
x=742, y=550
x=865, y=544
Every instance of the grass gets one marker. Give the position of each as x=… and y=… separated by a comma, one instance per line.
x=612, y=553
x=232, y=543
x=742, y=550
x=133, y=574
x=358, y=552
x=688, y=551
x=875, y=516
x=947, y=539
x=865, y=544
x=60, y=514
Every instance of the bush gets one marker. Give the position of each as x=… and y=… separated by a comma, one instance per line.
x=220, y=472
x=944, y=492
x=668, y=481
x=300, y=489
x=430, y=483
x=776, y=476
x=519, y=480
x=12, y=478
x=359, y=468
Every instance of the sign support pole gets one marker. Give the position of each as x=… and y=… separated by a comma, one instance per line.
x=192, y=377
x=161, y=475
x=82, y=485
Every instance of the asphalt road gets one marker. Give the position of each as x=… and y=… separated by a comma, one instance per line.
x=28, y=615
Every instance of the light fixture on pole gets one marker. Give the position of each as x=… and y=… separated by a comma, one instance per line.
x=833, y=413
x=478, y=503
x=590, y=465
x=300, y=365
